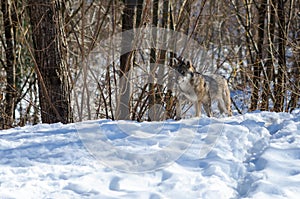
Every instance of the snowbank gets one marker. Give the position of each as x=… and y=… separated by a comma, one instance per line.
x=256, y=155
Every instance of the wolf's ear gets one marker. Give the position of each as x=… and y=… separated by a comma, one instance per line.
x=191, y=67
x=173, y=62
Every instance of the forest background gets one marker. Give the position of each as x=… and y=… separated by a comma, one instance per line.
x=53, y=66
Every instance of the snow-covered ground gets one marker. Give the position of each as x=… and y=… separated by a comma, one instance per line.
x=255, y=155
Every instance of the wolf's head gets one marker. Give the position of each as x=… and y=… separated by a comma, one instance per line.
x=183, y=67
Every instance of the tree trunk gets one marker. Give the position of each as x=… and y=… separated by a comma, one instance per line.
x=162, y=55
x=153, y=114
x=281, y=76
x=123, y=107
x=139, y=12
x=170, y=99
x=257, y=68
x=10, y=68
x=53, y=94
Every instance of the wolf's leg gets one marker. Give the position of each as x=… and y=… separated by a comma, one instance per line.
x=178, y=108
x=221, y=106
x=198, y=106
x=207, y=108
x=227, y=100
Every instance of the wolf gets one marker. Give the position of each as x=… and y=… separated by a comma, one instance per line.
x=201, y=89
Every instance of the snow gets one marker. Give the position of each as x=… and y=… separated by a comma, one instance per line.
x=255, y=155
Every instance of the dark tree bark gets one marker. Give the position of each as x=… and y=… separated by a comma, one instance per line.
x=153, y=63
x=139, y=12
x=7, y=117
x=280, y=88
x=127, y=24
x=169, y=98
x=257, y=68
x=53, y=94
x=123, y=107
